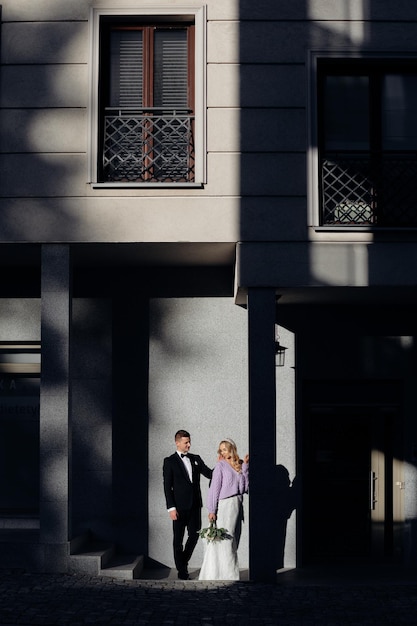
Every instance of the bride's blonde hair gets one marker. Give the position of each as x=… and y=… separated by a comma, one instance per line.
x=232, y=450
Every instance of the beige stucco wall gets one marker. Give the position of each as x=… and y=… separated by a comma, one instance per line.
x=45, y=130
x=259, y=167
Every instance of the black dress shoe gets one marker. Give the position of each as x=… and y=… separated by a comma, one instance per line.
x=183, y=575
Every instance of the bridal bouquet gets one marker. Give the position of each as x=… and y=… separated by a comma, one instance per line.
x=212, y=533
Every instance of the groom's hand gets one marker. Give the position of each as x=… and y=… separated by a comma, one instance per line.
x=173, y=515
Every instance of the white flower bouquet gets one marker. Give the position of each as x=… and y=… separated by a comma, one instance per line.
x=212, y=533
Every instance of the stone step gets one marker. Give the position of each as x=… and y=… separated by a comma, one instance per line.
x=101, y=559
x=91, y=559
x=124, y=567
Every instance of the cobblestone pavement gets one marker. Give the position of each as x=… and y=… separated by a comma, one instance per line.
x=78, y=600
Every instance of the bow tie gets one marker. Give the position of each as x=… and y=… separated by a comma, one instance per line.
x=183, y=455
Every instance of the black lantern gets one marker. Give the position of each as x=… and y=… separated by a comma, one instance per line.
x=279, y=350
x=279, y=354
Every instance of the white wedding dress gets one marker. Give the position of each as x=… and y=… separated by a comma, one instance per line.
x=220, y=557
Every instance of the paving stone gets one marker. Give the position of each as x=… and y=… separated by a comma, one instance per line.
x=80, y=600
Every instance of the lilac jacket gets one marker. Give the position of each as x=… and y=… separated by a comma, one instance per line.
x=226, y=482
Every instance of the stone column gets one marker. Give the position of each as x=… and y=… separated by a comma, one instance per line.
x=55, y=440
x=262, y=434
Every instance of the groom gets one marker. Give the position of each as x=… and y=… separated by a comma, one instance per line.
x=181, y=472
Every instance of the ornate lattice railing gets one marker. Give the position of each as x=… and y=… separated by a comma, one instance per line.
x=360, y=190
x=148, y=147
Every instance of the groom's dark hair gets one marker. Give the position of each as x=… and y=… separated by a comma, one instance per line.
x=182, y=433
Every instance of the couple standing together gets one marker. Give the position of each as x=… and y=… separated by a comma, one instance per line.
x=229, y=481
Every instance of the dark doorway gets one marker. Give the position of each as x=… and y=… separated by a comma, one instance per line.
x=352, y=506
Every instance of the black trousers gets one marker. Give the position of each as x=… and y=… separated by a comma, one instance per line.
x=191, y=521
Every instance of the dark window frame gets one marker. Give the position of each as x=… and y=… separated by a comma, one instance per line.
x=376, y=210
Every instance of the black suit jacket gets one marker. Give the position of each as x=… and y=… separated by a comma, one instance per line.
x=180, y=492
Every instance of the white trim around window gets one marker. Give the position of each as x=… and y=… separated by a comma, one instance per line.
x=134, y=9
x=312, y=148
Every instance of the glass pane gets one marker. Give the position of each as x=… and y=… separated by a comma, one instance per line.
x=399, y=105
x=171, y=68
x=346, y=113
x=126, y=69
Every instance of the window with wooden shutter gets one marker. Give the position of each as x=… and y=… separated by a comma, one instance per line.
x=147, y=103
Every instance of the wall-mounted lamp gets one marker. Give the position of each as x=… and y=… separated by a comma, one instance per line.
x=279, y=350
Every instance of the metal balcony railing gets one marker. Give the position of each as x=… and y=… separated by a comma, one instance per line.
x=360, y=189
x=151, y=146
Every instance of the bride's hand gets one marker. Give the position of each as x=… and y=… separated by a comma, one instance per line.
x=212, y=517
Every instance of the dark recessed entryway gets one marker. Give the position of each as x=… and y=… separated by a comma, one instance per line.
x=352, y=472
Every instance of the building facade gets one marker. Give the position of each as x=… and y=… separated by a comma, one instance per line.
x=185, y=188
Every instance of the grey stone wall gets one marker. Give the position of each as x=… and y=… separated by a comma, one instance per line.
x=20, y=319
x=198, y=381
x=91, y=417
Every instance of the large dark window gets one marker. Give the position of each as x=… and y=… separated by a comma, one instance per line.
x=146, y=102
x=19, y=428
x=368, y=142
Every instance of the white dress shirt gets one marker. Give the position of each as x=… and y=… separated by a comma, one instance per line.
x=187, y=462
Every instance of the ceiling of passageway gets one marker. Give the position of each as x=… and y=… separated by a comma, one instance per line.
x=383, y=295
x=183, y=254
x=154, y=254
x=96, y=255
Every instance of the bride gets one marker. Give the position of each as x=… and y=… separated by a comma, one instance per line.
x=225, y=505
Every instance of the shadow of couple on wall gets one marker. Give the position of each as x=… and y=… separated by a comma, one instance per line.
x=285, y=501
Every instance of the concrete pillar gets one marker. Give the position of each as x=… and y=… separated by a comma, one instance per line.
x=262, y=433
x=55, y=440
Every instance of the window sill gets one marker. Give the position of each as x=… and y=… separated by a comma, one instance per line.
x=363, y=229
x=146, y=185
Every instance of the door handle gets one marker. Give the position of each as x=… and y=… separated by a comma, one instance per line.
x=372, y=490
